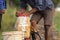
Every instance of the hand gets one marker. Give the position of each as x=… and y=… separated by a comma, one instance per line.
x=27, y=13
x=2, y=11
x=20, y=12
x=33, y=11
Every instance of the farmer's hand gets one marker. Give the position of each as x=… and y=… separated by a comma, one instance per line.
x=24, y=11
x=28, y=13
x=2, y=11
x=33, y=11
x=20, y=11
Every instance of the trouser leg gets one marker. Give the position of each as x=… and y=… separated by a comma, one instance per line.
x=47, y=32
x=48, y=21
x=0, y=20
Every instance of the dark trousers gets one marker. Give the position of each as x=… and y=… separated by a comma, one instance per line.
x=0, y=20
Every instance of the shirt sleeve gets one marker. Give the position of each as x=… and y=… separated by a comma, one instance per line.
x=2, y=5
x=5, y=4
x=23, y=4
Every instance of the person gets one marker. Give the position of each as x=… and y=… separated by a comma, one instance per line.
x=40, y=9
x=2, y=9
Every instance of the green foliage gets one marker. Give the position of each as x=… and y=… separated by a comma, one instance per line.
x=57, y=20
x=56, y=2
x=8, y=20
x=16, y=2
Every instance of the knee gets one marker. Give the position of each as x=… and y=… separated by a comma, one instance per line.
x=47, y=26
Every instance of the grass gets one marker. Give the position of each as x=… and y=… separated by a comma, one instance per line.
x=57, y=21
x=9, y=18
x=0, y=35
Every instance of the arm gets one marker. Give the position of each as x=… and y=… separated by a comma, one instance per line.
x=33, y=11
x=2, y=6
x=23, y=5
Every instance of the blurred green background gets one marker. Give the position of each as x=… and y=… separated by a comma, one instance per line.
x=9, y=18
